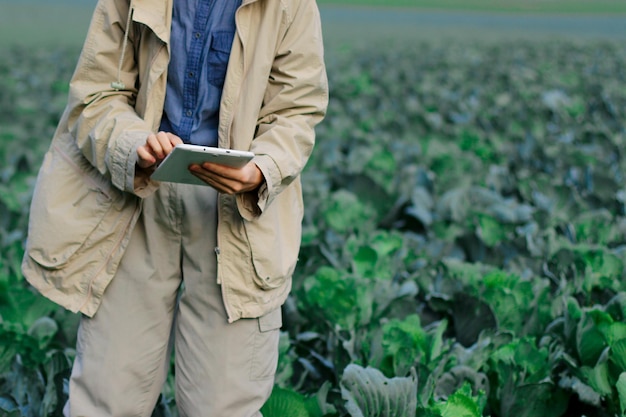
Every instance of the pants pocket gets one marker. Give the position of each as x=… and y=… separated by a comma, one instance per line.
x=265, y=355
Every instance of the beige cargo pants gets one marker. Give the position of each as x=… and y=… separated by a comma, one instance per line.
x=222, y=370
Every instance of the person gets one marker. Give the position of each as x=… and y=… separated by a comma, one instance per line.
x=147, y=262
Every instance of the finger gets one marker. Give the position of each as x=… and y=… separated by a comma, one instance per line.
x=153, y=144
x=221, y=184
x=223, y=171
x=246, y=178
x=165, y=144
x=174, y=140
x=212, y=183
x=144, y=158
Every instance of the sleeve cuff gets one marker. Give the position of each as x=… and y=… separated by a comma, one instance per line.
x=251, y=205
x=122, y=166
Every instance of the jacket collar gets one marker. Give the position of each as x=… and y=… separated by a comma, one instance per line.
x=156, y=14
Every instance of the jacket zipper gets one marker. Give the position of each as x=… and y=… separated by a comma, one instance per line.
x=217, y=256
x=220, y=281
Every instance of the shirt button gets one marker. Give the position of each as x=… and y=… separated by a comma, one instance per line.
x=190, y=74
x=197, y=35
x=188, y=113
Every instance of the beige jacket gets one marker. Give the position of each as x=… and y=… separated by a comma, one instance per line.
x=88, y=194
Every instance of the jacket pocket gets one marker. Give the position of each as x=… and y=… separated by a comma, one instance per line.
x=274, y=240
x=70, y=201
x=219, y=53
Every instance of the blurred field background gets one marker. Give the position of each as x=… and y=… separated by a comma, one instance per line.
x=535, y=6
x=465, y=212
x=32, y=22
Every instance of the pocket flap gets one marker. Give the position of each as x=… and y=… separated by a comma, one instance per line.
x=271, y=321
x=222, y=41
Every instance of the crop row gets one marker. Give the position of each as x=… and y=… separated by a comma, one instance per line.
x=464, y=236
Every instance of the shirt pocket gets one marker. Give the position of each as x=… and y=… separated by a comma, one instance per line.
x=219, y=53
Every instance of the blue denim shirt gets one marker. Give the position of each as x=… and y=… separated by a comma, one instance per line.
x=201, y=39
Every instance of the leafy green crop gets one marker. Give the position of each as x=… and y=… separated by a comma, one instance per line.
x=464, y=236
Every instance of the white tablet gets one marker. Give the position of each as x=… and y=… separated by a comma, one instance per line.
x=175, y=166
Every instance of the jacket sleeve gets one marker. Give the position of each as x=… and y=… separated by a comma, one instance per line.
x=101, y=118
x=295, y=101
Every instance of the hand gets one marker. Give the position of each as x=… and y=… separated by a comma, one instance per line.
x=156, y=148
x=227, y=179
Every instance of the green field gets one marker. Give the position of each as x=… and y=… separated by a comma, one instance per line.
x=464, y=245
x=465, y=223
